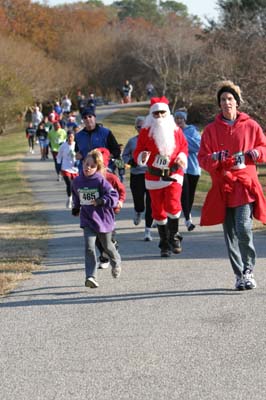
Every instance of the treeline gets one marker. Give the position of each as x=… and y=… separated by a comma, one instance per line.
x=49, y=51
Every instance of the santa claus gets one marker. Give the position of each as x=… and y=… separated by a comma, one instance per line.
x=162, y=146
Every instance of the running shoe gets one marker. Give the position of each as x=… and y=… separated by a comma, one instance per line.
x=240, y=283
x=190, y=226
x=69, y=202
x=147, y=235
x=103, y=262
x=116, y=271
x=137, y=218
x=91, y=283
x=249, y=280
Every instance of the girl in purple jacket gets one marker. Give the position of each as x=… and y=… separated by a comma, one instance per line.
x=94, y=199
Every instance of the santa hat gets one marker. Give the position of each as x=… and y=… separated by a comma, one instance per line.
x=53, y=117
x=159, y=104
x=106, y=155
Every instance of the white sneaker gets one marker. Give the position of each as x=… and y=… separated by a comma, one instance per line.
x=103, y=262
x=137, y=218
x=91, y=283
x=147, y=235
x=116, y=271
x=249, y=280
x=69, y=202
x=190, y=226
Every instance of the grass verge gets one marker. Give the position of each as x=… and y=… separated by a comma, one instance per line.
x=23, y=228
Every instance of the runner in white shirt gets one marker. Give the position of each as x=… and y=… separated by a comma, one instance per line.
x=67, y=158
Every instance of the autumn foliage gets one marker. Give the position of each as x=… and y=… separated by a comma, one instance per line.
x=49, y=51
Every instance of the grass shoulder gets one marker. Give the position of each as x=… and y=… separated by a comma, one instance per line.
x=24, y=230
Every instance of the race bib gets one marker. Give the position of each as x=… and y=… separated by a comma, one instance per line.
x=239, y=160
x=87, y=196
x=161, y=162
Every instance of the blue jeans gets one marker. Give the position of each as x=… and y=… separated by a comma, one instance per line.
x=238, y=236
x=91, y=264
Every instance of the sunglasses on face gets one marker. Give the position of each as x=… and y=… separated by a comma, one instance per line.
x=138, y=127
x=156, y=113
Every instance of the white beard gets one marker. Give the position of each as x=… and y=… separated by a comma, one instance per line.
x=162, y=131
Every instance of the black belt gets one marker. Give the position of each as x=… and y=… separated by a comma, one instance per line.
x=164, y=173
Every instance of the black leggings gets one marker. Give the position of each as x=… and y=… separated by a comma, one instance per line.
x=68, y=181
x=57, y=166
x=141, y=197
x=188, y=193
x=31, y=141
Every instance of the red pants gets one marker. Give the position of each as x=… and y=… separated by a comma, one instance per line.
x=166, y=201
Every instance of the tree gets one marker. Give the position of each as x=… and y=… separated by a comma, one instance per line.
x=238, y=14
x=235, y=49
x=95, y=3
x=146, y=9
x=171, y=6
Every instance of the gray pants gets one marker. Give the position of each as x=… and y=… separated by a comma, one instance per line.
x=91, y=263
x=238, y=236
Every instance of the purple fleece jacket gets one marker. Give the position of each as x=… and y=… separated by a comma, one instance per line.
x=85, y=190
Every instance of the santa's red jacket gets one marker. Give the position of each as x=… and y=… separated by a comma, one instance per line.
x=232, y=187
x=146, y=143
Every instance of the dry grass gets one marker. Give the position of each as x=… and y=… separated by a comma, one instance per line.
x=23, y=229
x=9, y=281
x=23, y=243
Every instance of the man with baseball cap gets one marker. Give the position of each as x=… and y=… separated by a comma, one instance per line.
x=93, y=136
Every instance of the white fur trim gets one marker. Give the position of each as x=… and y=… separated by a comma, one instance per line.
x=160, y=184
x=139, y=160
x=183, y=157
x=161, y=222
x=159, y=107
x=174, y=216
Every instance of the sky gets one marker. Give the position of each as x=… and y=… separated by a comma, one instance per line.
x=206, y=8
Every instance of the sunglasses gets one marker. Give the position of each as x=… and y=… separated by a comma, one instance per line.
x=159, y=113
x=138, y=127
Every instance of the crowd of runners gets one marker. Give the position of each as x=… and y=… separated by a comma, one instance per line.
x=165, y=159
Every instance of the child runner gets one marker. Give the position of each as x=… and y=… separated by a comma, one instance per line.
x=66, y=157
x=30, y=135
x=104, y=154
x=94, y=199
x=42, y=136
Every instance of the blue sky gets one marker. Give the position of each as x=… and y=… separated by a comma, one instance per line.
x=201, y=8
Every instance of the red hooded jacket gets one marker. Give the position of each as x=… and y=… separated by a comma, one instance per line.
x=232, y=187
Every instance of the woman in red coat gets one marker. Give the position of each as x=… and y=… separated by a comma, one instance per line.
x=230, y=148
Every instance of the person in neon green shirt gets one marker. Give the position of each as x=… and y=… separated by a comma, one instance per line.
x=56, y=137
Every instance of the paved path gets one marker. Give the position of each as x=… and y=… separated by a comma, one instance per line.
x=167, y=329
